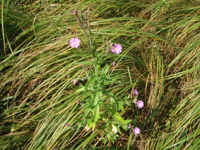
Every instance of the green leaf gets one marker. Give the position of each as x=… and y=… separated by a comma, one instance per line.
x=94, y=50
x=84, y=63
x=80, y=90
x=121, y=107
x=93, y=125
x=108, y=93
x=91, y=80
x=109, y=80
x=96, y=97
x=105, y=70
x=108, y=136
x=104, y=140
x=96, y=113
x=119, y=119
x=104, y=57
x=118, y=129
x=111, y=138
x=89, y=123
x=87, y=111
x=128, y=121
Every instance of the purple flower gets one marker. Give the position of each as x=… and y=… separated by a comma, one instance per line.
x=117, y=48
x=75, y=81
x=78, y=102
x=136, y=130
x=83, y=66
x=74, y=42
x=67, y=125
x=140, y=104
x=113, y=63
x=74, y=11
x=83, y=79
x=135, y=91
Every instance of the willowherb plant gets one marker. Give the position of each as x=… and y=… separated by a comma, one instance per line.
x=101, y=109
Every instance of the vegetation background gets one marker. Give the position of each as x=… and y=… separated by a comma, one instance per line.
x=161, y=58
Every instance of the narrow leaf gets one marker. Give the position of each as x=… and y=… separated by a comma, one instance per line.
x=119, y=119
x=91, y=80
x=105, y=70
x=121, y=107
x=96, y=113
x=80, y=90
x=96, y=97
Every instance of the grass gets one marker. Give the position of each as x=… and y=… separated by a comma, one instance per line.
x=160, y=58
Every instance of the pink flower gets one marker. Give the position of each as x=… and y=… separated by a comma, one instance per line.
x=67, y=124
x=140, y=104
x=136, y=130
x=83, y=79
x=74, y=11
x=135, y=91
x=74, y=42
x=113, y=63
x=75, y=81
x=117, y=48
x=130, y=126
x=83, y=66
x=78, y=102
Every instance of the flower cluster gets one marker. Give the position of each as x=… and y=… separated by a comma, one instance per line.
x=75, y=42
x=140, y=104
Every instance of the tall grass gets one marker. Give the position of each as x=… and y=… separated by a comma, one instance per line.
x=160, y=58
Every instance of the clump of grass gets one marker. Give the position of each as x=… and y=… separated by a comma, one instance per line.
x=160, y=58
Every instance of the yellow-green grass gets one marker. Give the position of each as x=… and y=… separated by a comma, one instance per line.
x=161, y=58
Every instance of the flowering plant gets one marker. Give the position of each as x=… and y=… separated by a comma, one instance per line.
x=102, y=106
